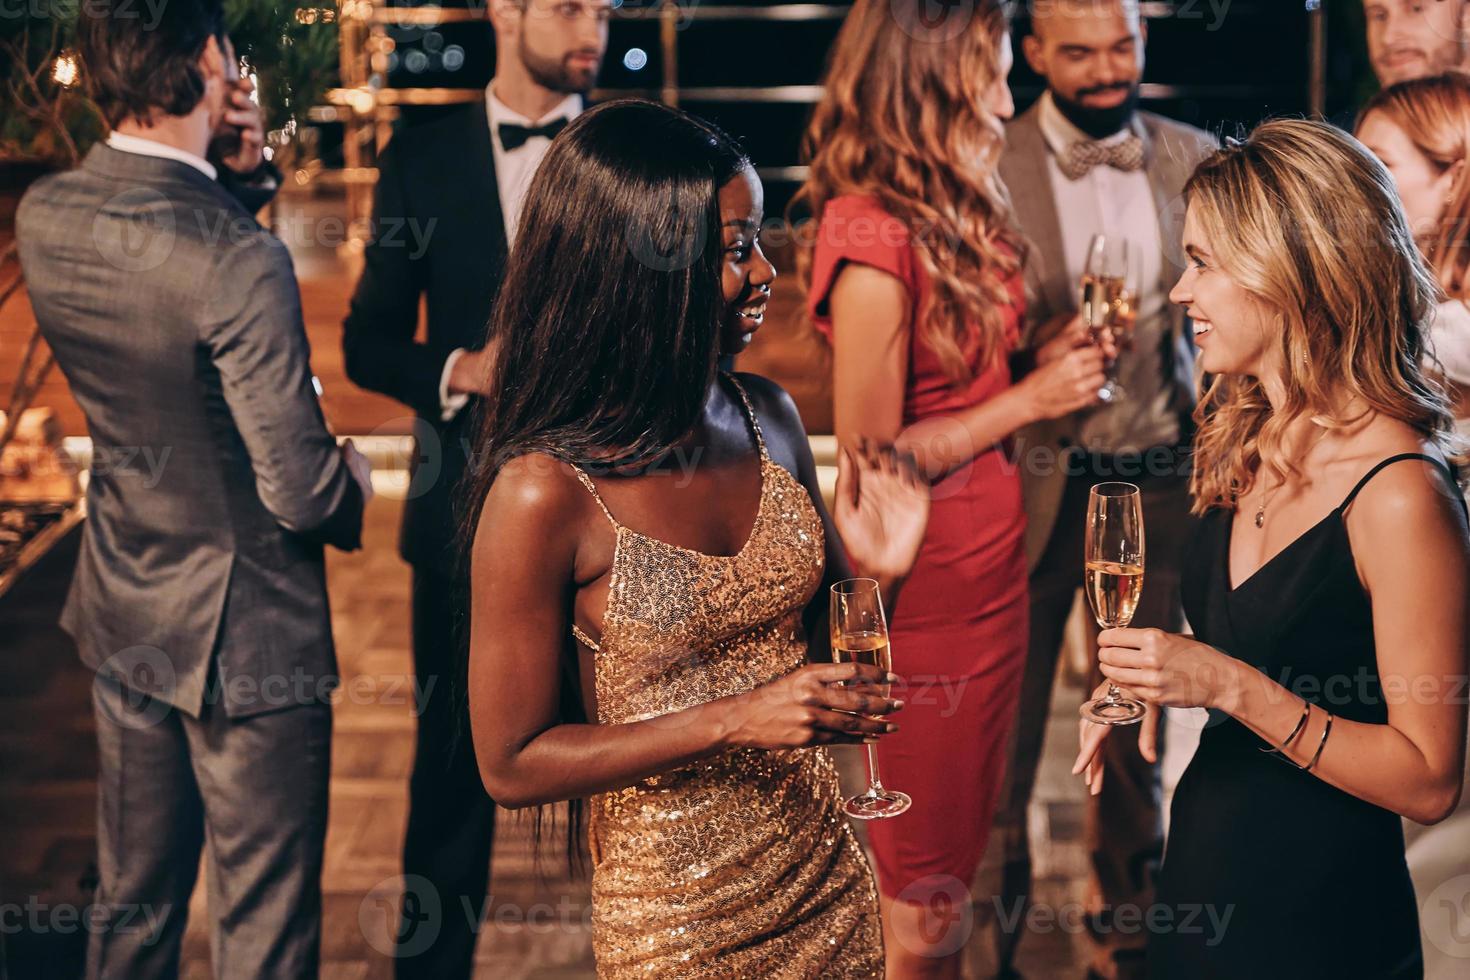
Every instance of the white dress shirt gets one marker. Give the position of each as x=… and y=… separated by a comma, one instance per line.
x=513, y=171
x=1117, y=203
x=152, y=148
x=514, y=168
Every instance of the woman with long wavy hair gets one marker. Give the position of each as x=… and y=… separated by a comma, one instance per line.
x=1420, y=129
x=649, y=568
x=914, y=277
x=1330, y=581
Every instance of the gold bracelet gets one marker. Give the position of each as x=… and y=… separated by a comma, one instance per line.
x=1300, y=724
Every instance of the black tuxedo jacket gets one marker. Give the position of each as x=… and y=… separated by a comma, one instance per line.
x=438, y=234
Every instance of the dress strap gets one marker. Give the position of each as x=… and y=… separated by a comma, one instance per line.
x=586, y=480
x=1439, y=463
x=755, y=424
x=592, y=489
x=584, y=639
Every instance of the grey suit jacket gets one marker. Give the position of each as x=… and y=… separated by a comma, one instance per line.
x=1172, y=151
x=177, y=322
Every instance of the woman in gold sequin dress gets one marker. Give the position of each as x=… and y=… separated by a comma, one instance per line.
x=649, y=567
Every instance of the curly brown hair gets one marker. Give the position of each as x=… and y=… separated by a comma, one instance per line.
x=904, y=121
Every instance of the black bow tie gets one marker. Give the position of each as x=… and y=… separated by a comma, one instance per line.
x=512, y=136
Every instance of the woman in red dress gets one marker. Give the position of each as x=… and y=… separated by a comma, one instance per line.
x=914, y=276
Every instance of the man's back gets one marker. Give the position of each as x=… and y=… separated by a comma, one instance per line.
x=176, y=320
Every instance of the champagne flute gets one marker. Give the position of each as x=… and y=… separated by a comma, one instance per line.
x=1104, y=283
x=1114, y=578
x=860, y=633
x=1124, y=315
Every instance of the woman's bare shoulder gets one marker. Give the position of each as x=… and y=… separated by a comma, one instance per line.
x=535, y=499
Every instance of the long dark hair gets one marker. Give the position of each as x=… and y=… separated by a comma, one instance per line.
x=608, y=319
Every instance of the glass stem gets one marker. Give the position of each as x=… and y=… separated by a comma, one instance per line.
x=1114, y=695
x=875, y=781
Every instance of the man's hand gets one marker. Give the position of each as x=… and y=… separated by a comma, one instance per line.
x=242, y=130
x=471, y=373
x=360, y=468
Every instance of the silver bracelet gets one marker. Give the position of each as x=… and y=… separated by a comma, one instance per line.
x=1300, y=724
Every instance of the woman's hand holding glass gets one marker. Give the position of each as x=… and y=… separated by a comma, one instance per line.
x=1068, y=332
x=1162, y=670
x=819, y=704
x=1167, y=669
x=1068, y=382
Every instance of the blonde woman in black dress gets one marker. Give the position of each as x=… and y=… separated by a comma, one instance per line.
x=1329, y=586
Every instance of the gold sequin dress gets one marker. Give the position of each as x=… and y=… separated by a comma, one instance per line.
x=741, y=865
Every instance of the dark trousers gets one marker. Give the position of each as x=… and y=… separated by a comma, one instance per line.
x=253, y=791
x=451, y=819
x=1124, y=825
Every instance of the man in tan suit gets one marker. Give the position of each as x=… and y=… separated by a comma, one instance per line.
x=1084, y=160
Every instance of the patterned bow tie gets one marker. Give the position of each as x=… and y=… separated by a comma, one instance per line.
x=513, y=136
x=1080, y=157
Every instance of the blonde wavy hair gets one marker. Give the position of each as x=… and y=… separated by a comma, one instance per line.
x=1434, y=113
x=903, y=121
x=1306, y=220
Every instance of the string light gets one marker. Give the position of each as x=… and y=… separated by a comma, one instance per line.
x=64, y=70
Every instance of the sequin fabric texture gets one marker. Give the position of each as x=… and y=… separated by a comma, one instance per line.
x=741, y=865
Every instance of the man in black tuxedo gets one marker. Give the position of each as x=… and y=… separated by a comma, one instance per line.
x=448, y=198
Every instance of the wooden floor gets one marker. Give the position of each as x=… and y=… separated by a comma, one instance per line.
x=538, y=922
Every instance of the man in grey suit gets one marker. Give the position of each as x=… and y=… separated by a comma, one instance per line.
x=1083, y=160
x=199, y=596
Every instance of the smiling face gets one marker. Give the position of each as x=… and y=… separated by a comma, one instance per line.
x=1091, y=55
x=1234, y=330
x=745, y=273
x=1423, y=185
x=1415, y=38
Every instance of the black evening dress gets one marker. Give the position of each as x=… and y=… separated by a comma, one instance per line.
x=1269, y=871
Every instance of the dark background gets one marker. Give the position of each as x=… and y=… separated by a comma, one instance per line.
x=1221, y=70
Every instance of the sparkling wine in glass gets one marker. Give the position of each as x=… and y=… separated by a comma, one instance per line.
x=1114, y=579
x=1106, y=294
x=1123, y=316
x=860, y=633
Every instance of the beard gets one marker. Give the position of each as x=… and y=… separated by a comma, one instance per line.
x=554, y=74
x=1098, y=123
